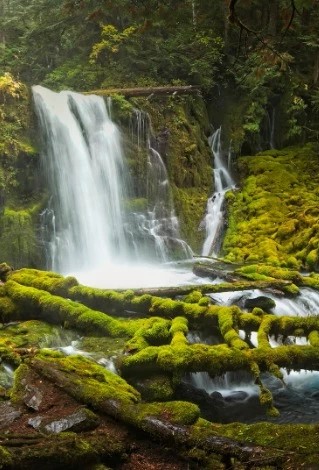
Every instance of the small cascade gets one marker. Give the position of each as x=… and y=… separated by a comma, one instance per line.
x=158, y=224
x=223, y=182
x=267, y=133
x=296, y=396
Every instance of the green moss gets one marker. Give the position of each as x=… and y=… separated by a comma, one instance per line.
x=18, y=244
x=193, y=297
x=29, y=334
x=314, y=338
x=312, y=259
x=298, y=439
x=190, y=204
x=254, y=271
x=18, y=390
x=311, y=281
x=44, y=280
x=176, y=412
x=38, y=303
x=267, y=221
x=86, y=381
x=6, y=458
x=156, y=387
x=8, y=309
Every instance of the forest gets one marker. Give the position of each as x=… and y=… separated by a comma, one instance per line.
x=159, y=234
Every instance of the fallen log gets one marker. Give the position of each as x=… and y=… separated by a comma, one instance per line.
x=147, y=91
x=173, y=422
x=276, y=285
x=250, y=454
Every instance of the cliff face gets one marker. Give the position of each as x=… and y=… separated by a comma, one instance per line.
x=21, y=187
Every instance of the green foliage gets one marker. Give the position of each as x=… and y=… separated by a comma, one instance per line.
x=111, y=40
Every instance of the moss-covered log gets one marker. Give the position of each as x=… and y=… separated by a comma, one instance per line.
x=170, y=421
x=148, y=91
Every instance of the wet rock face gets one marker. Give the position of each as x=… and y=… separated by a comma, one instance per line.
x=263, y=302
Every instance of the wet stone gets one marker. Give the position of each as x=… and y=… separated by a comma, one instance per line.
x=79, y=421
x=236, y=396
x=35, y=422
x=263, y=302
x=33, y=397
x=8, y=414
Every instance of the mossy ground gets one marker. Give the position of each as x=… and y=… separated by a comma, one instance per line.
x=273, y=218
x=157, y=354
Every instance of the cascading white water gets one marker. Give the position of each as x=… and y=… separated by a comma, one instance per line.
x=223, y=182
x=84, y=162
x=158, y=222
x=296, y=396
x=85, y=229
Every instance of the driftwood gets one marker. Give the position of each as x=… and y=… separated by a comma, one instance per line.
x=148, y=91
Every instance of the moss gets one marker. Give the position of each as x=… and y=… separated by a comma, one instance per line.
x=156, y=387
x=86, y=381
x=136, y=205
x=37, y=303
x=106, y=346
x=190, y=206
x=298, y=439
x=291, y=289
x=267, y=221
x=8, y=309
x=204, y=301
x=18, y=390
x=193, y=297
x=18, y=244
x=254, y=271
x=176, y=412
x=314, y=338
x=29, y=334
x=44, y=280
x=311, y=281
x=6, y=458
x=312, y=259
x=227, y=321
x=70, y=450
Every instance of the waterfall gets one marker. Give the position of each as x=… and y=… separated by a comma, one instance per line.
x=86, y=225
x=84, y=164
x=214, y=218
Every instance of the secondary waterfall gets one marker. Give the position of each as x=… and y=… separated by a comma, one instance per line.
x=223, y=182
x=87, y=225
x=157, y=224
